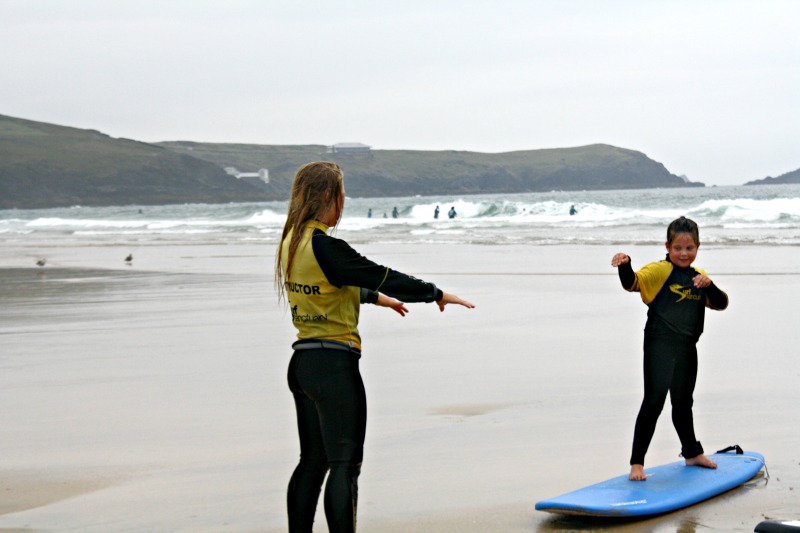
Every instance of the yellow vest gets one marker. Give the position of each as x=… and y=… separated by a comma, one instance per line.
x=319, y=310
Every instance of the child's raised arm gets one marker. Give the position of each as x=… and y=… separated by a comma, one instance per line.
x=620, y=259
x=626, y=275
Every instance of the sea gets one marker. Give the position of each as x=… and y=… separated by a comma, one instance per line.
x=727, y=215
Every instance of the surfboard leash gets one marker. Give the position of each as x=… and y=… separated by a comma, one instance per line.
x=739, y=451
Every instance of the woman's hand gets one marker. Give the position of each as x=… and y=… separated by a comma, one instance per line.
x=448, y=298
x=391, y=303
x=620, y=259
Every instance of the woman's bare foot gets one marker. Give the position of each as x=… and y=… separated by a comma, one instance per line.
x=701, y=460
x=637, y=473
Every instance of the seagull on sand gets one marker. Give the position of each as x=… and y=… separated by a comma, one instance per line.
x=41, y=262
x=129, y=259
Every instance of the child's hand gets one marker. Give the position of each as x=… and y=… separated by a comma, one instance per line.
x=701, y=281
x=391, y=303
x=620, y=259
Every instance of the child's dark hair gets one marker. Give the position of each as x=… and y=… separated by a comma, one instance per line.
x=683, y=225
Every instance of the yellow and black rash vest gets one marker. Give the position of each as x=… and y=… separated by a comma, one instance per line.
x=329, y=280
x=674, y=304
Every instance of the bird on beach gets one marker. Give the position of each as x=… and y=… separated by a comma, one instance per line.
x=129, y=259
x=41, y=262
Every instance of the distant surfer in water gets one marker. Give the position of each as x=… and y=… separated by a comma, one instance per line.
x=324, y=281
x=676, y=294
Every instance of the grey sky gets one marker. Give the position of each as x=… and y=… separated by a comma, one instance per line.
x=709, y=88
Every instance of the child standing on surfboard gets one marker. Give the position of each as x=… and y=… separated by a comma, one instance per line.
x=676, y=294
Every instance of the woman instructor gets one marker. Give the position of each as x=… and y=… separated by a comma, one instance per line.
x=324, y=282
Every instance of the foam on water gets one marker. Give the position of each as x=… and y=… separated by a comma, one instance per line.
x=726, y=215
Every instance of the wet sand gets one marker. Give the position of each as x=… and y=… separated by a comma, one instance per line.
x=152, y=397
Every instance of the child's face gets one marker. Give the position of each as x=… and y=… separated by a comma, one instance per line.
x=682, y=250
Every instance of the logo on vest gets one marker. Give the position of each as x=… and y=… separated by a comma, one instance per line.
x=684, y=293
x=297, y=317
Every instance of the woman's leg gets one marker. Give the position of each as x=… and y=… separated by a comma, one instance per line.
x=344, y=420
x=330, y=380
x=306, y=481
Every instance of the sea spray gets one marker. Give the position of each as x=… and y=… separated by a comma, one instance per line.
x=726, y=215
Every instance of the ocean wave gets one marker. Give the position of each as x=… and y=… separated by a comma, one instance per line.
x=733, y=215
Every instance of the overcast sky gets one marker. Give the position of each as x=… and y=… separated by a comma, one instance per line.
x=709, y=88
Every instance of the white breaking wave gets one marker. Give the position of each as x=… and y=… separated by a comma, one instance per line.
x=755, y=215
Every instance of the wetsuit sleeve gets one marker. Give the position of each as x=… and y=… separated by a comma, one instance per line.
x=626, y=275
x=650, y=278
x=368, y=296
x=342, y=265
x=716, y=298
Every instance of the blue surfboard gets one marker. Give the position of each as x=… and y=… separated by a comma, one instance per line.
x=668, y=487
x=778, y=526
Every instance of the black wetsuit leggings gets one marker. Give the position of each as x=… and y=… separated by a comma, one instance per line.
x=331, y=421
x=670, y=366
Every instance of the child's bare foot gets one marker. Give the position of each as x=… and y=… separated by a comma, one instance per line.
x=701, y=460
x=637, y=473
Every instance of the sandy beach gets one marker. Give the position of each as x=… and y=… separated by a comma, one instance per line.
x=152, y=396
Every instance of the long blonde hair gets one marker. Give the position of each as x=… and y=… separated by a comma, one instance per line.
x=317, y=186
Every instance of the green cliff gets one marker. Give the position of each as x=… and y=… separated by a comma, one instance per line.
x=408, y=172
x=789, y=177
x=44, y=165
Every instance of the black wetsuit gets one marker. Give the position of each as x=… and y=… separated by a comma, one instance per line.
x=329, y=280
x=675, y=317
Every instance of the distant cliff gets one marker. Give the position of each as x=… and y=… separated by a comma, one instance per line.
x=44, y=165
x=408, y=172
x=789, y=177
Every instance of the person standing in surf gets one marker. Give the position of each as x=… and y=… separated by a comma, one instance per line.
x=324, y=281
x=676, y=294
